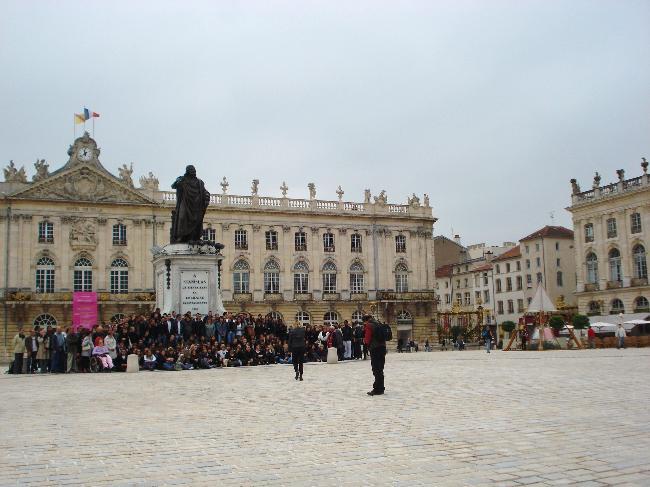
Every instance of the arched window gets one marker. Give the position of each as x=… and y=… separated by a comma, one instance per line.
x=274, y=315
x=617, y=307
x=357, y=317
x=640, y=267
x=592, y=268
x=119, y=234
x=356, y=278
x=272, y=277
x=329, y=278
x=83, y=275
x=44, y=320
x=404, y=318
x=401, y=278
x=240, y=277
x=641, y=304
x=45, y=275
x=117, y=318
x=301, y=278
x=614, y=265
x=594, y=307
x=303, y=318
x=119, y=276
x=331, y=318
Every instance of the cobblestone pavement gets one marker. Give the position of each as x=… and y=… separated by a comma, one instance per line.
x=452, y=418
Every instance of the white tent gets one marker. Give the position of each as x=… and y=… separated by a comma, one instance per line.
x=629, y=320
x=541, y=302
x=602, y=327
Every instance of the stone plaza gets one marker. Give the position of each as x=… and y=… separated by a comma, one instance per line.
x=448, y=418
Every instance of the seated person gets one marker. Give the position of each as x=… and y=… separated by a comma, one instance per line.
x=149, y=360
x=101, y=352
x=170, y=359
x=121, y=359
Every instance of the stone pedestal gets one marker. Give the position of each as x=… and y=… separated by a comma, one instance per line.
x=132, y=363
x=188, y=278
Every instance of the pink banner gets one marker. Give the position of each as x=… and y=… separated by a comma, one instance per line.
x=84, y=310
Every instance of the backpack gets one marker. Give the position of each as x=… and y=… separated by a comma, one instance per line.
x=386, y=332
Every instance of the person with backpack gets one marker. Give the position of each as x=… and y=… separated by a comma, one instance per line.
x=376, y=335
x=487, y=336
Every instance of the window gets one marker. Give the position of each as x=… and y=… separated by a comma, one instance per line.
x=611, y=227
x=458, y=298
x=457, y=283
x=401, y=278
x=538, y=261
x=357, y=317
x=400, y=244
x=527, y=263
x=119, y=234
x=45, y=232
x=356, y=278
x=82, y=280
x=592, y=268
x=209, y=235
x=557, y=246
x=117, y=318
x=614, y=265
x=508, y=283
x=446, y=284
x=467, y=300
x=641, y=304
x=519, y=283
x=498, y=285
x=477, y=296
x=486, y=296
x=45, y=275
x=271, y=240
x=511, y=306
x=274, y=315
x=331, y=318
x=241, y=277
x=301, y=278
x=500, y=307
x=447, y=298
x=589, y=232
x=559, y=278
x=119, y=276
x=241, y=240
x=301, y=241
x=508, y=267
x=466, y=283
x=617, y=307
x=527, y=249
x=355, y=242
x=536, y=247
x=528, y=300
x=303, y=318
x=520, y=306
x=557, y=262
x=640, y=267
x=44, y=320
x=329, y=278
x=518, y=265
x=328, y=242
x=529, y=281
x=635, y=223
x=485, y=279
x=540, y=278
x=271, y=277
x=498, y=269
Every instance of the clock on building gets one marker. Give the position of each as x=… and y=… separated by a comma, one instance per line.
x=84, y=154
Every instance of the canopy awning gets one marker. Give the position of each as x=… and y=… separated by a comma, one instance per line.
x=541, y=302
x=629, y=320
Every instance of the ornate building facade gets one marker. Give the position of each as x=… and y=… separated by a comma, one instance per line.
x=80, y=228
x=611, y=225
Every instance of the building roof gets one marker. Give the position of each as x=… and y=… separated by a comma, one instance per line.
x=445, y=270
x=482, y=268
x=513, y=253
x=550, y=231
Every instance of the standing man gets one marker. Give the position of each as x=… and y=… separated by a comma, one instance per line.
x=31, y=349
x=487, y=336
x=374, y=339
x=358, y=340
x=620, y=335
x=591, y=337
x=57, y=345
x=347, y=340
x=73, y=347
x=19, y=351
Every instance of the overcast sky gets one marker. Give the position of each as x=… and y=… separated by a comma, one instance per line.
x=490, y=107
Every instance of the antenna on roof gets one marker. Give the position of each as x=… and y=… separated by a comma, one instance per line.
x=552, y=215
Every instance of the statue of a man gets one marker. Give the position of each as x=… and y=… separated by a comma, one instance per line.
x=192, y=200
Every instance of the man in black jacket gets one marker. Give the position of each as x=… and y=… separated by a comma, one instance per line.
x=347, y=340
x=374, y=339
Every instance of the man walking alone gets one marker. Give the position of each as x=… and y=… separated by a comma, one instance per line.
x=374, y=339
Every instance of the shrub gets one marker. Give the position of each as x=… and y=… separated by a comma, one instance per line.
x=556, y=322
x=508, y=326
x=580, y=322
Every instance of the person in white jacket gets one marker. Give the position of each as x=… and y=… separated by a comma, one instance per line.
x=620, y=334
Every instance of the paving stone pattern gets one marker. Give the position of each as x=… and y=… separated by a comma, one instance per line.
x=448, y=418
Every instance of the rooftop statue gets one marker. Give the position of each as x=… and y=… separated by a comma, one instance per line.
x=192, y=200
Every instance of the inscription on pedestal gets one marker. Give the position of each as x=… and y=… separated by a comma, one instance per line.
x=194, y=291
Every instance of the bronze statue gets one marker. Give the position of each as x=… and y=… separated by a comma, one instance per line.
x=192, y=200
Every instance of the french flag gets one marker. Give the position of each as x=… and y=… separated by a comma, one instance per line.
x=88, y=114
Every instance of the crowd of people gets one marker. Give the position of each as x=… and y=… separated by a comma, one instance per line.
x=169, y=342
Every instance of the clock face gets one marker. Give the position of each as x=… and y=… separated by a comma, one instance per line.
x=84, y=154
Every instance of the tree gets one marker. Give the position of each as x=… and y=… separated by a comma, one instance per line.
x=508, y=326
x=580, y=322
x=556, y=322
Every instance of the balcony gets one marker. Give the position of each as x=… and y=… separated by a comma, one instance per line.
x=614, y=284
x=272, y=246
x=273, y=297
x=302, y=296
x=328, y=249
x=358, y=296
x=406, y=296
x=242, y=297
x=46, y=240
x=119, y=242
x=301, y=247
x=331, y=296
x=639, y=281
x=593, y=286
x=241, y=246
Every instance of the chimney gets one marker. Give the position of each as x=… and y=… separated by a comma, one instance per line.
x=488, y=256
x=457, y=239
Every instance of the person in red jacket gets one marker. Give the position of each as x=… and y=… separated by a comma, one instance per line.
x=591, y=337
x=374, y=339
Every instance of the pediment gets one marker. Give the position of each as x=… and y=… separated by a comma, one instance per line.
x=83, y=183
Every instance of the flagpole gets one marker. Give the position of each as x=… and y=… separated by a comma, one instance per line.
x=74, y=127
x=93, y=127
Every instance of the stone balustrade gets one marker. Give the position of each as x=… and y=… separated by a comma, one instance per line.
x=611, y=190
